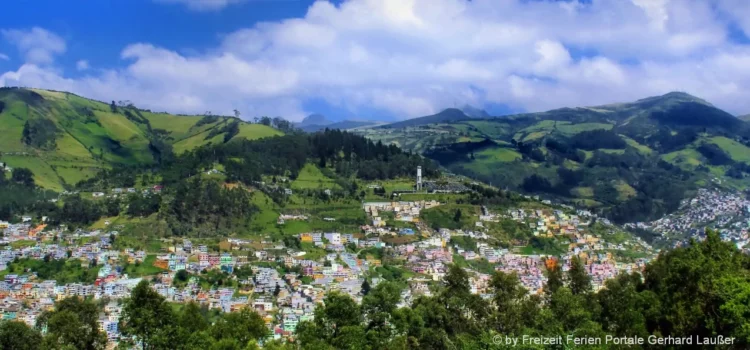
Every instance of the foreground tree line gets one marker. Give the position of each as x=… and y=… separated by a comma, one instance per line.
x=701, y=290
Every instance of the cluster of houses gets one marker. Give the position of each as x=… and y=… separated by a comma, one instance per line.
x=729, y=213
x=285, y=284
x=403, y=211
x=115, y=192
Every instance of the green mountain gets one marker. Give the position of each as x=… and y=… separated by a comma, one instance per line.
x=632, y=161
x=64, y=138
x=342, y=125
x=447, y=115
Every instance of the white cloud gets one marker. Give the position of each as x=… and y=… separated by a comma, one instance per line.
x=82, y=65
x=415, y=57
x=4, y=57
x=203, y=5
x=38, y=45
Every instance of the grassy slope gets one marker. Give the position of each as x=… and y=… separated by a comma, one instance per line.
x=311, y=177
x=86, y=145
x=736, y=150
x=197, y=137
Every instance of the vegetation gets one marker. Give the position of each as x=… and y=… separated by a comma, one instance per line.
x=60, y=270
x=64, y=138
x=631, y=162
x=663, y=303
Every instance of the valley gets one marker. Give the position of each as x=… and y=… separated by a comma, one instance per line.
x=100, y=198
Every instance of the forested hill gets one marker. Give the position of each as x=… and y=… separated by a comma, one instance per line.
x=632, y=161
x=64, y=138
x=209, y=189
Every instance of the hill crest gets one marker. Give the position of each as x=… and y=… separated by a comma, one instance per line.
x=64, y=138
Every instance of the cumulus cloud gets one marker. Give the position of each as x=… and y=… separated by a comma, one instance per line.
x=203, y=5
x=38, y=45
x=413, y=57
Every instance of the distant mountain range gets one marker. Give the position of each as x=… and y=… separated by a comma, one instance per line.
x=316, y=122
x=447, y=115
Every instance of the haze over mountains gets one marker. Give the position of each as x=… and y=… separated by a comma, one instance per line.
x=315, y=122
x=446, y=115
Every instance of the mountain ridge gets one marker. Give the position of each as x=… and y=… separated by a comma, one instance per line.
x=634, y=160
x=64, y=138
x=448, y=114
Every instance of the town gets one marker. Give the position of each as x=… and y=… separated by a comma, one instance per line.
x=728, y=213
x=284, y=282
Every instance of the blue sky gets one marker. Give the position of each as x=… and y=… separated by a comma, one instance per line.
x=378, y=59
x=98, y=30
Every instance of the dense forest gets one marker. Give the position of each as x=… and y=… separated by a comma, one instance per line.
x=701, y=291
x=19, y=194
x=246, y=161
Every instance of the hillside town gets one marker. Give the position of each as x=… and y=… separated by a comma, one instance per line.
x=729, y=213
x=284, y=281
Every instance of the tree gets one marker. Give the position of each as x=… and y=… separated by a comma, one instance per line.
x=338, y=313
x=466, y=312
x=236, y=113
x=147, y=317
x=701, y=288
x=182, y=276
x=378, y=307
x=626, y=307
x=243, y=326
x=554, y=279
x=18, y=336
x=23, y=176
x=580, y=280
x=276, y=290
x=568, y=310
x=74, y=323
x=365, y=287
x=515, y=310
x=191, y=319
x=457, y=216
x=113, y=107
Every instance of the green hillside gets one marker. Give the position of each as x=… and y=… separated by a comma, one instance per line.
x=631, y=160
x=64, y=138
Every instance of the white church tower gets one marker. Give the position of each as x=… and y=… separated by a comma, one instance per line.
x=419, y=178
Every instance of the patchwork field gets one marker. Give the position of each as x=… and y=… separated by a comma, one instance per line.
x=736, y=150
